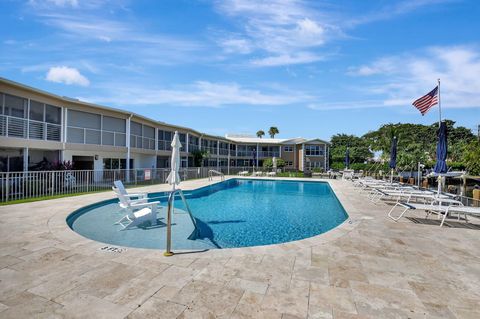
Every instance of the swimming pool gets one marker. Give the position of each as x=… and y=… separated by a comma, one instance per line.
x=233, y=213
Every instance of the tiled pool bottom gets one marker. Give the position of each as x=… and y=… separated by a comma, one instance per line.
x=234, y=213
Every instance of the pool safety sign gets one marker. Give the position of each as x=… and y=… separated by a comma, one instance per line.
x=148, y=174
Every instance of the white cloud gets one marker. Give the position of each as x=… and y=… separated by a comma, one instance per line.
x=281, y=29
x=287, y=59
x=63, y=3
x=404, y=78
x=64, y=74
x=240, y=46
x=199, y=94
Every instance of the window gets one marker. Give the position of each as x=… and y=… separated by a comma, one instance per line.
x=313, y=150
x=288, y=148
x=36, y=110
x=15, y=106
x=136, y=128
x=288, y=163
x=113, y=124
x=53, y=114
x=83, y=119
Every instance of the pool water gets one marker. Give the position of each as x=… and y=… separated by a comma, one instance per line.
x=233, y=213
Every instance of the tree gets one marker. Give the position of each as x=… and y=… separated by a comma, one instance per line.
x=471, y=157
x=268, y=163
x=358, y=148
x=260, y=133
x=273, y=131
x=199, y=156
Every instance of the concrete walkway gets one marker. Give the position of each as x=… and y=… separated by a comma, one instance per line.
x=368, y=267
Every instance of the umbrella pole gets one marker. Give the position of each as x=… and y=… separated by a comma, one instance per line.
x=391, y=176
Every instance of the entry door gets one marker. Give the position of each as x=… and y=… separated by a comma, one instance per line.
x=82, y=162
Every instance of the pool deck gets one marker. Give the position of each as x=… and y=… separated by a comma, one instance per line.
x=368, y=267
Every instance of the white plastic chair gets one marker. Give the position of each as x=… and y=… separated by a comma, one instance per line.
x=138, y=211
x=141, y=197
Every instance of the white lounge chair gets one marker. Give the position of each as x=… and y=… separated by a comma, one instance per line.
x=141, y=197
x=272, y=174
x=138, y=212
x=243, y=173
x=258, y=173
x=465, y=210
x=407, y=194
x=435, y=206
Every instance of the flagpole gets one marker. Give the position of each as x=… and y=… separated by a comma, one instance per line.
x=439, y=105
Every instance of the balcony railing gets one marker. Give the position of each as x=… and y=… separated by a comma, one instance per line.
x=263, y=154
x=24, y=128
x=138, y=141
x=82, y=135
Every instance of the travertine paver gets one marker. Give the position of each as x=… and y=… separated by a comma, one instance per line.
x=368, y=267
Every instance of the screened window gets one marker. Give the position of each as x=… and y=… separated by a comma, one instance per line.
x=36, y=110
x=136, y=128
x=113, y=124
x=148, y=131
x=84, y=119
x=53, y=114
x=288, y=148
x=15, y=106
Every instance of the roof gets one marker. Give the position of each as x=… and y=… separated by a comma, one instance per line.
x=254, y=140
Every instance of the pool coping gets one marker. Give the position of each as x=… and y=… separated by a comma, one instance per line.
x=58, y=227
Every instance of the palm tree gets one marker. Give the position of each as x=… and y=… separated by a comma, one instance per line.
x=260, y=133
x=272, y=131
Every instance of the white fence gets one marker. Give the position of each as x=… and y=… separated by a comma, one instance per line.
x=23, y=185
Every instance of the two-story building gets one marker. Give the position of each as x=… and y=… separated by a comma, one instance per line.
x=40, y=129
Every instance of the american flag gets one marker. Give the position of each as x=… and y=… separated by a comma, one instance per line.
x=426, y=102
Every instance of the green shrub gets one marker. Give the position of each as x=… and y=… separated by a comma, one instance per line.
x=268, y=163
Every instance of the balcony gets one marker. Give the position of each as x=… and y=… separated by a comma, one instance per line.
x=264, y=154
x=24, y=128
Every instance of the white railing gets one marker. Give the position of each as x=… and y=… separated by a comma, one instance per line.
x=24, y=185
x=24, y=128
x=213, y=172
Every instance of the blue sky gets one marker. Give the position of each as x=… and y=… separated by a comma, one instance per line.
x=311, y=68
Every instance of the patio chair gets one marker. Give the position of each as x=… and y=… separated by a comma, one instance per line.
x=465, y=210
x=435, y=206
x=406, y=193
x=272, y=174
x=138, y=212
x=258, y=173
x=140, y=197
x=243, y=173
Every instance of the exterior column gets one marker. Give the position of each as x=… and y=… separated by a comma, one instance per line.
x=303, y=157
x=25, y=159
x=295, y=154
x=218, y=155
x=127, y=143
x=325, y=157
x=256, y=164
x=228, y=159
x=65, y=126
x=187, y=141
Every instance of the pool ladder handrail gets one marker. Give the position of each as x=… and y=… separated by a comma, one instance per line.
x=170, y=206
x=212, y=171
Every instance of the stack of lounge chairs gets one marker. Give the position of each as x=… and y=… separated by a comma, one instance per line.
x=408, y=198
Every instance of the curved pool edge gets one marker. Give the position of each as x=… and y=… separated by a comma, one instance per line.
x=59, y=228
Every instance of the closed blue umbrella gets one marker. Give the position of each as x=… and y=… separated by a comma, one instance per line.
x=347, y=158
x=441, y=164
x=393, y=154
x=393, y=157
